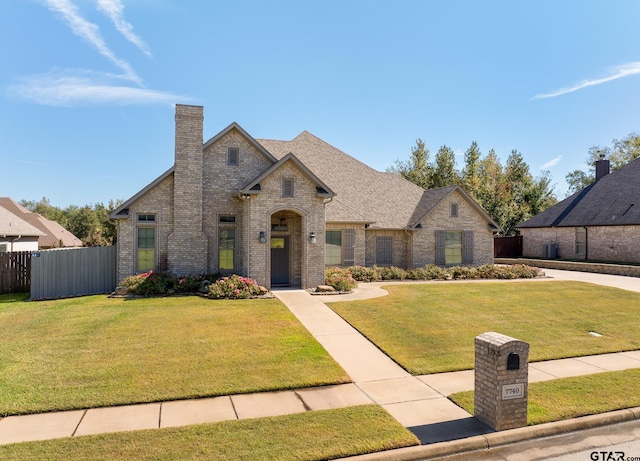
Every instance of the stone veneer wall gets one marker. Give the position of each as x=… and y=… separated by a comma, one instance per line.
x=424, y=241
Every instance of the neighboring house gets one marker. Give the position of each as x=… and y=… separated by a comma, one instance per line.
x=600, y=223
x=53, y=235
x=16, y=234
x=281, y=211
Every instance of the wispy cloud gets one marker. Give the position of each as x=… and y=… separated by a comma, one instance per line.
x=625, y=70
x=73, y=87
x=91, y=33
x=552, y=162
x=115, y=10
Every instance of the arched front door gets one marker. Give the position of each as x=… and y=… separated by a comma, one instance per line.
x=286, y=248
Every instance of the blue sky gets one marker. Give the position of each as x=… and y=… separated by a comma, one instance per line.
x=88, y=87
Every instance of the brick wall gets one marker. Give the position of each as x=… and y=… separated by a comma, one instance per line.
x=187, y=245
x=424, y=242
x=604, y=243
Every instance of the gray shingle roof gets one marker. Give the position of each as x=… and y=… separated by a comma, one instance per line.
x=51, y=232
x=13, y=226
x=363, y=194
x=614, y=200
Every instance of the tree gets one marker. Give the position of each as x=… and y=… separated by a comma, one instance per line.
x=470, y=173
x=417, y=169
x=624, y=150
x=444, y=173
x=91, y=224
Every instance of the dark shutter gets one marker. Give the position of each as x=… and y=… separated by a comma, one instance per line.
x=384, y=250
x=348, y=247
x=467, y=247
x=440, y=246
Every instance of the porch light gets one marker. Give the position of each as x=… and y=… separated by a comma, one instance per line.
x=263, y=237
x=312, y=237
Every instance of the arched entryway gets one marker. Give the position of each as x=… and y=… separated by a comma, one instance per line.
x=286, y=249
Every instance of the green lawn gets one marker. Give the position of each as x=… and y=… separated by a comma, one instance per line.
x=95, y=351
x=317, y=435
x=568, y=398
x=430, y=328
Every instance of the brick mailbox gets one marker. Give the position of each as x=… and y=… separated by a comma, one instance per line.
x=501, y=381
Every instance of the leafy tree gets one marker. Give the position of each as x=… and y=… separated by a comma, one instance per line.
x=444, y=173
x=418, y=168
x=91, y=224
x=509, y=194
x=623, y=151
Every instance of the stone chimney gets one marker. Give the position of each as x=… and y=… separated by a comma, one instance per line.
x=187, y=252
x=602, y=167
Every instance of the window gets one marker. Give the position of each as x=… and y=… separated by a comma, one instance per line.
x=3, y=247
x=233, y=156
x=150, y=218
x=146, y=249
x=226, y=219
x=287, y=187
x=581, y=242
x=333, y=248
x=384, y=250
x=454, y=210
x=453, y=248
x=227, y=249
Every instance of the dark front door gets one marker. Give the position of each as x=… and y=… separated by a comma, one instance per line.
x=279, y=261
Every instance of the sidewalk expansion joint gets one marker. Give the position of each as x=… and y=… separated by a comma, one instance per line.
x=304, y=404
x=79, y=422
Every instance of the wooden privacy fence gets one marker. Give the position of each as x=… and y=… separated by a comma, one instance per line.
x=15, y=272
x=67, y=272
x=507, y=247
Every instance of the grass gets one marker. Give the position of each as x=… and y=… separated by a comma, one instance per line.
x=327, y=435
x=568, y=398
x=430, y=328
x=95, y=351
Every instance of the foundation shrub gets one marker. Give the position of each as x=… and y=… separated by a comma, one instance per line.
x=234, y=287
x=340, y=279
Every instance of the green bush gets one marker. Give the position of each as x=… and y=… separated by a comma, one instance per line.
x=149, y=283
x=340, y=279
x=234, y=287
x=433, y=272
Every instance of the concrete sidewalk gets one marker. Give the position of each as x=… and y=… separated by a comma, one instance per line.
x=419, y=403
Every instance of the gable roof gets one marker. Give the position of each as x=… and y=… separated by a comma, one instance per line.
x=254, y=186
x=123, y=210
x=613, y=200
x=13, y=226
x=433, y=197
x=385, y=200
x=52, y=235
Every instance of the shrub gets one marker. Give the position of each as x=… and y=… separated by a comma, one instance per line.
x=392, y=273
x=340, y=279
x=149, y=283
x=234, y=287
x=187, y=284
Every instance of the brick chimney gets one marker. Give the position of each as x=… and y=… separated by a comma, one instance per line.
x=187, y=252
x=602, y=167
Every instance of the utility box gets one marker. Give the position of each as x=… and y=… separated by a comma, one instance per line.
x=501, y=381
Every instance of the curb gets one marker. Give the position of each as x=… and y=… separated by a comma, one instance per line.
x=502, y=438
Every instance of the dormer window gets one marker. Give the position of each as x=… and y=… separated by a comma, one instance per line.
x=233, y=156
x=454, y=210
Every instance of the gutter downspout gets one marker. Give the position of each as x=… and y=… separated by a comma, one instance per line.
x=15, y=239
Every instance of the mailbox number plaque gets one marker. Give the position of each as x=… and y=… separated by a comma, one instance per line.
x=512, y=391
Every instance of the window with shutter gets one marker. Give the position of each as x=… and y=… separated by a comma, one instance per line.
x=384, y=250
x=333, y=248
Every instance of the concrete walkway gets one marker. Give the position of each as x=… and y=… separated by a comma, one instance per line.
x=419, y=403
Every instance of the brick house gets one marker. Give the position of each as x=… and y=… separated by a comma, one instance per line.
x=281, y=211
x=599, y=223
